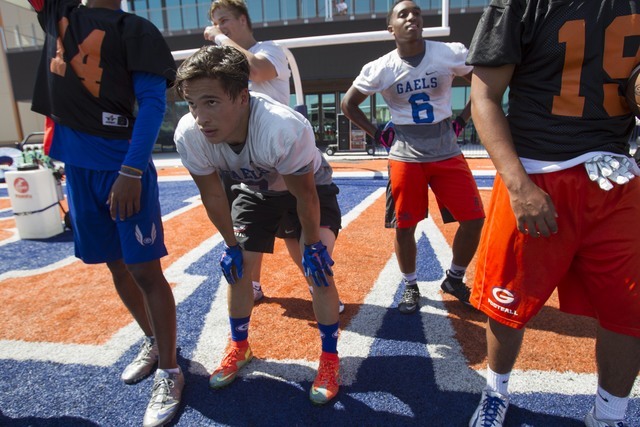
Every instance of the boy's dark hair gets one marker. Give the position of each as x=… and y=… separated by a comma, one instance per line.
x=224, y=63
x=236, y=7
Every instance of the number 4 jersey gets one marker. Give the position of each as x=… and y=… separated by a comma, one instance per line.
x=87, y=64
x=571, y=60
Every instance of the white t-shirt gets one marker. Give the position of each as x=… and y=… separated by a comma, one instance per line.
x=280, y=142
x=416, y=95
x=341, y=6
x=277, y=88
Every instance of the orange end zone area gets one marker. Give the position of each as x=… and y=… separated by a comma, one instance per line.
x=57, y=306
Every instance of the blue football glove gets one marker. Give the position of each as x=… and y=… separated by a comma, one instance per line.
x=386, y=136
x=317, y=263
x=231, y=263
x=458, y=125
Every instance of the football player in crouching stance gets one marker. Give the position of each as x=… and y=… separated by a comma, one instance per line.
x=270, y=149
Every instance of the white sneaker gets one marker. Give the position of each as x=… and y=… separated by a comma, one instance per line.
x=257, y=291
x=165, y=398
x=340, y=303
x=591, y=421
x=491, y=410
x=144, y=363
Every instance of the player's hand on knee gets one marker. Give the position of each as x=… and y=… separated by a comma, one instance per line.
x=317, y=263
x=231, y=263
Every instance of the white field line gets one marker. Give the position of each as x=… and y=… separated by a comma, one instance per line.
x=450, y=367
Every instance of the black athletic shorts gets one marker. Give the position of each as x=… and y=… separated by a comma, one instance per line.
x=258, y=219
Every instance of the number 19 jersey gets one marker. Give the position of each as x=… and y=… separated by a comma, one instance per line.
x=571, y=59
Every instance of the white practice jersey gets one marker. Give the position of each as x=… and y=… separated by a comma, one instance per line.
x=280, y=141
x=277, y=88
x=416, y=95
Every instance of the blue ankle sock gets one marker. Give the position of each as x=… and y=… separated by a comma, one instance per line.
x=239, y=328
x=329, y=337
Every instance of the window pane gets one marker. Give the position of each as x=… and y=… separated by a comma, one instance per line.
x=366, y=107
x=174, y=15
x=308, y=8
x=289, y=9
x=140, y=6
x=321, y=9
x=189, y=13
x=255, y=10
x=329, y=124
x=272, y=13
x=155, y=14
x=458, y=99
x=362, y=6
x=383, y=115
x=382, y=6
x=311, y=102
x=433, y=4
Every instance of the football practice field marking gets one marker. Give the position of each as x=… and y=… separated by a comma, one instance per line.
x=283, y=333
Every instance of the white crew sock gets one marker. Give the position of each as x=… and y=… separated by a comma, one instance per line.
x=498, y=382
x=610, y=407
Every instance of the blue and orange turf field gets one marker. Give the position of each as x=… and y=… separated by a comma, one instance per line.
x=66, y=337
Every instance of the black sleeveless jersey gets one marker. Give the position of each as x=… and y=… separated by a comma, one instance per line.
x=84, y=80
x=572, y=60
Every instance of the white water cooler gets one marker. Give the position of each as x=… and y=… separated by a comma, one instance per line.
x=35, y=202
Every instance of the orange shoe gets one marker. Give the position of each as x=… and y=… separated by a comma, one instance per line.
x=325, y=387
x=235, y=358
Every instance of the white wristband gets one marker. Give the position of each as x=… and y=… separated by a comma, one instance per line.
x=128, y=175
x=220, y=38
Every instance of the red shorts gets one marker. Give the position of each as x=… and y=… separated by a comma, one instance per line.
x=450, y=180
x=593, y=260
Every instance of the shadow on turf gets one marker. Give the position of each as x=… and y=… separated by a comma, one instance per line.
x=381, y=398
x=397, y=390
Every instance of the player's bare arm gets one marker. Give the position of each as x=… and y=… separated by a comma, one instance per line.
x=351, y=107
x=532, y=207
x=216, y=204
x=303, y=187
x=260, y=68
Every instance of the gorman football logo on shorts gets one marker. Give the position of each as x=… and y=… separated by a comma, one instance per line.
x=503, y=297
